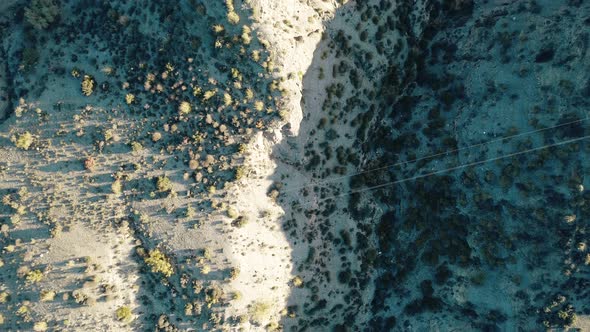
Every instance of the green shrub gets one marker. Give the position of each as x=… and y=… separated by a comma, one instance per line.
x=47, y=295
x=207, y=253
x=129, y=98
x=185, y=108
x=163, y=183
x=159, y=263
x=136, y=146
x=205, y=269
x=234, y=273
x=232, y=16
x=87, y=85
x=260, y=311
x=41, y=13
x=4, y=297
x=240, y=222
x=40, y=326
x=34, y=276
x=213, y=295
x=30, y=57
x=90, y=164
x=297, y=282
x=117, y=187
x=232, y=213
x=209, y=94
x=240, y=172
x=124, y=314
x=24, y=141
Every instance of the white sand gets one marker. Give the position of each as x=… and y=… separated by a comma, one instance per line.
x=266, y=265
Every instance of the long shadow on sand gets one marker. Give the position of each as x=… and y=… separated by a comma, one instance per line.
x=498, y=245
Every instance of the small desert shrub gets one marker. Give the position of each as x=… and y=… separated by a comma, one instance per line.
x=129, y=98
x=193, y=164
x=41, y=13
x=232, y=16
x=24, y=141
x=207, y=253
x=89, y=164
x=213, y=295
x=79, y=296
x=273, y=327
x=190, y=212
x=246, y=37
x=124, y=314
x=163, y=183
x=258, y=105
x=232, y=213
x=108, y=135
x=30, y=57
x=188, y=309
x=117, y=187
x=218, y=28
x=259, y=311
x=240, y=172
x=185, y=108
x=136, y=146
x=234, y=273
x=240, y=222
x=197, y=91
x=4, y=297
x=273, y=194
x=159, y=263
x=47, y=295
x=249, y=94
x=87, y=85
x=297, y=282
x=34, y=276
x=209, y=94
x=569, y=218
x=197, y=286
x=227, y=99
x=40, y=327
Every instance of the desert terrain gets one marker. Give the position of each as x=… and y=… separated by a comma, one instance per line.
x=296, y=165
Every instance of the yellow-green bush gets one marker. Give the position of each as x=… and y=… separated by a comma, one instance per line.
x=232, y=16
x=124, y=314
x=87, y=85
x=260, y=311
x=185, y=108
x=24, y=141
x=163, y=183
x=34, y=276
x=159, y=263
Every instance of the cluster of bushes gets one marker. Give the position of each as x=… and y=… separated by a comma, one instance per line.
x=41, y=13
x=159, y=262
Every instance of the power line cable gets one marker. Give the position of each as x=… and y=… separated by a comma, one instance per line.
x=350, y=192
x=433, y=155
